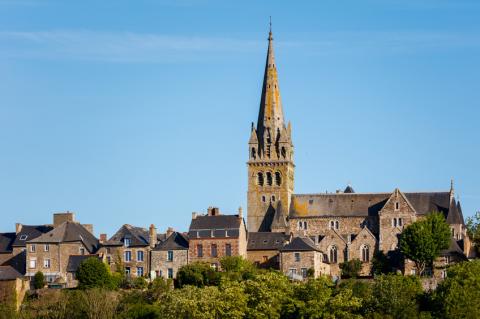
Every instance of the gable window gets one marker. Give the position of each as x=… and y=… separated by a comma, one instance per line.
x=214, y=250
x=297, y=257
x=128, y=255
x=333, y=254
x=127, y=241
x=228, y=249
x=397, y=205
x=284, y=152
x=46, y=263
x=199, y=251
x=140, y=255
x=365, y=253
x=32, y=248
x=46, y=247
x=260, y=178
x=170, y=255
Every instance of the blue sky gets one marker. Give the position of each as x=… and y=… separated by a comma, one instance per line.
x=139, y=111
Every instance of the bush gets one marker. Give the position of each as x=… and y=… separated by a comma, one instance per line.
x=351, y=268
x=92, y=273
x=197, y=274
x=139, y=283
x=39, y=280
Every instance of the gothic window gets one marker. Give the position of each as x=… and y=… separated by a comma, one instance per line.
x=269, y=179
x=332, y=224
x=260, y=178
x=278, y=178
x=333, y=254
x=284, y=152
x=397, y=205
x=394, y=222
x=305, y=225
x=273, y=198
x=264, y=198
x=300, y=225
x=254, y=153
x=365, y=253
x=337, y=225
x=400, y=222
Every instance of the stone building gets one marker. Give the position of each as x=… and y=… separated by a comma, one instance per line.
x=169, y=255
x=213, y=236
x=300, y=256
x=130, y=246
x=345, y=225
x=263, y=248
x=50, y=252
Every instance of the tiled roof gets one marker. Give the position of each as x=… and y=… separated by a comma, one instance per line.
x=138, y=236
x=8, y=273
x=74, y=261
x=266, y=241
x=176, y=241
x=29, y=232
x=300, y=244
x=69, y=232
x=6, y=241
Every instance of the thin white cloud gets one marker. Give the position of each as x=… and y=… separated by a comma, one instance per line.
x=159, y=48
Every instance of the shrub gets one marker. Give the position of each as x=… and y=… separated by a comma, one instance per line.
x=197, y=274
x=92, y=273
x=39, y=280
x=351, y=268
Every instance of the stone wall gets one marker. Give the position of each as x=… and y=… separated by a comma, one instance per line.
x=237, y=248
x=308, y=259
x=13, y=291
x=112, y=253
x=264, y=258
x=160, y=263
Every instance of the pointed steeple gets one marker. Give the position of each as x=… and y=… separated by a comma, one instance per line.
x=270, y=116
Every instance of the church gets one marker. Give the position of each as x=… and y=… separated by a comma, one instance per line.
x=341, y=226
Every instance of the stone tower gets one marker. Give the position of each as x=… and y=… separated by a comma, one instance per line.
x=270, y=164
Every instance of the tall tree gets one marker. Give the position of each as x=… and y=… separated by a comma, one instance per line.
x=423, y=240
x=473, y=230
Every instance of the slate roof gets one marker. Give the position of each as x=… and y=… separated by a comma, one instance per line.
x=8, y=273
x=362, y=204
x=279, y=220
x=74, y=261
x=29, y=232
x=266, y=241
x=453, y=249
x=300, y=244
x=207, y=226
x=69, y=232
x=138, y=236
x=455, y=215
x=349, y=189
x=176, y=241
x=6, y=241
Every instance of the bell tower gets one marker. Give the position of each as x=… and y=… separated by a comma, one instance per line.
x=270, y=163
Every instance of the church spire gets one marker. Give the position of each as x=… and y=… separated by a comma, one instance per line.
x=270, y=117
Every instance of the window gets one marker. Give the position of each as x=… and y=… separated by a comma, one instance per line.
x=297, y=257
x=46, y=263
x=273, y=198
x=170, y=255
x=140, y=255
x=334, y=224
x=214, y=266
x=199, y=251
x=23, y=237
x=128, y=256
x=228, y=249
x=284, y=152
x=82, y=251
x=264, y=259
x=264, y=199
x=394, y=222
x=254, y=153
x=292, y=272
x=304, y=272
x=127, y=241
x=260, y=179
x=269, y=178
x=46, y=247
x=333, y=254
x=337, y=225
x=305, y=225
x=32, y=263
x=300, y=225
x=32, y=248
x=397, y=205
x=365, y=253
x=127, y=270
x=139, y=271
x=278, y=178
x=214, y=250
x=170, y=273
x=400, y=222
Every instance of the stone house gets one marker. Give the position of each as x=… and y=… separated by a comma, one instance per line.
x=263, y=248
x=130, y=246
x=169, y=255
x=213, y=236
x=50, y=253
x=300, y=255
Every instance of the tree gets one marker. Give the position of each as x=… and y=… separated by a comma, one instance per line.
x=395, y=296
x=39, y=280
x=473, y=230
x=92, y=273
x=423, y=240
x=237, y=268
x=198, y=274
x=458, y=296
x=381, y=263
x=351, y=268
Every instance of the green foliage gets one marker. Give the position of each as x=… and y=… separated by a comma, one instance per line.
x=92, y=273
x=423, y=240
x=458, y=296
x=395, y=296
x=381, y=264
x=237, y=268
x=197, y=274
x=351, y=268
x=140, y=283
x=38, y=280
x=157, y=289
x=473, y=230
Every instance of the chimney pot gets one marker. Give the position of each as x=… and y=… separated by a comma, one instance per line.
x=153, y=236
x=18, y=228
x=240, y=212
x=194, y=215
x=103, y=238
x=170, y=231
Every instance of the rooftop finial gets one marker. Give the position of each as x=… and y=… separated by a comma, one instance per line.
x=270, y=32
x=451, y=185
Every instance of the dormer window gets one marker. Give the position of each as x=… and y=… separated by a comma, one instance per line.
x=127, y=242
x=23, y=237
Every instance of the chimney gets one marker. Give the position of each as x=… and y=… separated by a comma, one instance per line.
x=194, y=215
x=240, y=212
x=153, y=236
x=60, y=218
x=213, y=211
x=18, y=228
x=169, y=231
x=103, y=238
x=88, y=227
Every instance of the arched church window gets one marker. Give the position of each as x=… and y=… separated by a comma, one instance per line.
x=365, y=253
x=400, y=222
x=278, y=178
x=273, y=198
x=260, y=178
x=269, y=179
x=333, y=254
x=337, y=224
x=254, y=153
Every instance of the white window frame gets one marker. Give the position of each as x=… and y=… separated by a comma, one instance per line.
x=129, y=252
x=33, y=248
x=140, y=253
x=46, y=247
x=32, y=263
x=47, y=263
x=140, y=271
x=297, y=257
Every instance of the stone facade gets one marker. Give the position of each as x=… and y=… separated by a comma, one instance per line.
x=265, y=258
x=166, y=263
